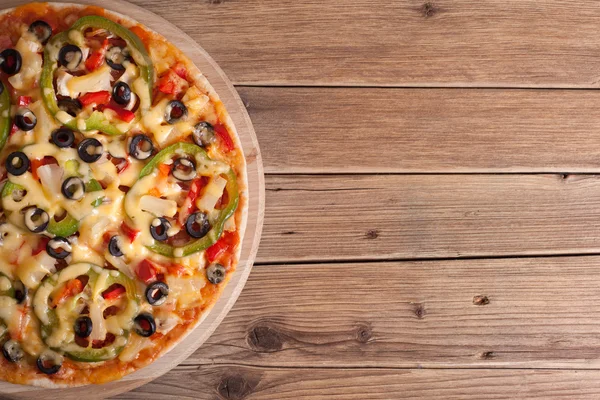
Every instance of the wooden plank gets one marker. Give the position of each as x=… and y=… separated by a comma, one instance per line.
x=236, y=383
x=345, y=217
x=517, y=313
x=328, y=130
x=529, y=43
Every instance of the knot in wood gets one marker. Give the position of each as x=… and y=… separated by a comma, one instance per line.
x=419, y=310
x=481, y=300
x=364, y=333
x=428, y=10
x=265, y=339
x=488, y=355
x=372, y=234
x=234, y=387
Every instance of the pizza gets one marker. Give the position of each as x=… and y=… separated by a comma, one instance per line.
x=123, y=195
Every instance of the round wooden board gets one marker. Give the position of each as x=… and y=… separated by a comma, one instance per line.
x=256, y=202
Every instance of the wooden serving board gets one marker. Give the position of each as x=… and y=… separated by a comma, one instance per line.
x=256, y=196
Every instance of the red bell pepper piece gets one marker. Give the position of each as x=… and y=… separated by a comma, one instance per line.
x=146, y=271
x=224, y=137
x=129, y=232
x=102, y=97
x=190, y=201
x=180, y=70
x=171, y=83
x=97, y=57
x=113, y=292
x=122, y=114
x=13, y=129
x=23, y=101
x=73, y=287
x=41, y=246
x=224, y=243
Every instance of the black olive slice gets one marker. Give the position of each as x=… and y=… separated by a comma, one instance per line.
x=17, y=163
x=19, y=194
x=73, y=188
x=70, y=56
x=20, y=291
x=121, y=93
x=144, y=325
x=159, y=228
x=90, y=150
x=58, y=247
x=70, y=106
x=36, y=219
x=10, y=61
x=42, y=30
x=197, y=225
x=114, y=246
x=83, y=327
x=63, y=137
x=12, y=351
x=156, y=293
x=184, y=169
x=115, y=56
x=215, y=273
x=204, y=134
x=141, y=147
x=46, y=363
x=175, y=111
x=25, y=119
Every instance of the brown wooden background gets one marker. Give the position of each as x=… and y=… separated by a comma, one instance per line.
x=432, y=222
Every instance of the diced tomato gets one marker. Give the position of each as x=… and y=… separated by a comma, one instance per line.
x=129, y=232
x=226, y=242
x=113, y=292
x=71, y=288
x=5, y=42
x=120, y=163
x=154, y=192
x=122, y=114
x=190, y=202
x=97, y=57
x=163, y=170
x=13, y=129
x=146, y=271
x=38, y=162
x=23, y=101
x=102, y=97
x=180, y=70
x=171, y=83
x=41, y=246
x=176, y=269
x=224, y=137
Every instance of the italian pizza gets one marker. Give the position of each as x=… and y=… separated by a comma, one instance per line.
x=123, y=195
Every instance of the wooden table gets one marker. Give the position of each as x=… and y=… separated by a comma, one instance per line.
x=432, y=219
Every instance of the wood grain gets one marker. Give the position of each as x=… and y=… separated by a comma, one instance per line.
x=552, y=43
x=344, y=130
x=361, y=217
x=236, y=383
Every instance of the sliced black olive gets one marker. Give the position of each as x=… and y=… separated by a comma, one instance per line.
x=20, y=291
x=41, y=29
x=159, y=228
x=47, y=363
x=156, y=293
x=115, y=56
x=121, y=93
x=12, y=351
x=63, y=137
x=25, y=119
x=144, y=325
x=19, y=194
x=70, y=56
x=184, y=169
x=36, y=219
x=83, y=327
x=90, y=150
x=197, y=225
x=73, y=188
x=10, y=61
x=58, y=247
x=70, y=106
x=215, y=273
x=17, y=163
x=204, y=134
x=175, y=111
x=141, y=147
x=114, y=246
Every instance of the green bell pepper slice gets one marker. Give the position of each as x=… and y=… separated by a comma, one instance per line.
x=217, y=226
x=70, y=348
x=5, y=124
x=97, y=120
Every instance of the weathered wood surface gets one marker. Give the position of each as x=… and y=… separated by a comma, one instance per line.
x=366, y=130
x=529, y=43
x=378, y=217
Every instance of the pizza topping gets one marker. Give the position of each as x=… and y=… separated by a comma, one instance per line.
x=5, y=122
x=70, y=57
x=159, y=229
x=175, y=112
x=90, y=150
x=156, y=293
x=215, y=273
x=116, y=56
x=10, y=61
x=20, y=291
x=144, y=325
x=94, y=98
x=141, y=147
x=114, y=246
x=49, y=362
x=121, y=93
x=63, y=137
x=70, y=106
x=42, y=30
x=73, y=188
x=204, y=134
x=17, y=163
x=184, y=169
x=12, y=351
x=36, y=219
x=25, y=119
x=59, y=248
x=197, y=225
x=83, y=327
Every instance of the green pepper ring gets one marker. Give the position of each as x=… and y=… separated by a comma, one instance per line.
x=139, y=54
x=215, y=232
